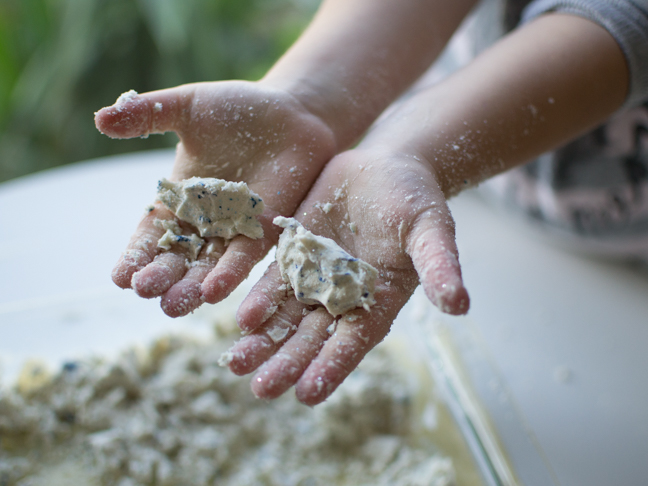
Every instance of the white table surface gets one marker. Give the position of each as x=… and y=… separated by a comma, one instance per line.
x=555, y=344
x=556, y=347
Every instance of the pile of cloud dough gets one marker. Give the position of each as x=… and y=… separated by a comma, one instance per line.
x=169, y=415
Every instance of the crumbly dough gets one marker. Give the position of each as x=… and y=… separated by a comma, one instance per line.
x=169, y=416
x=320, y=271
x=215, y=206
x=174, y=236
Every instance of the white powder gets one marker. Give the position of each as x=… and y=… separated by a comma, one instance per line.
x=215, y=206
x=320, y=271
x=278, y=333
x=127, y=97
x=171, y=416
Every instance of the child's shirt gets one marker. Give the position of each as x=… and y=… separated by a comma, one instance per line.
x=594, y=190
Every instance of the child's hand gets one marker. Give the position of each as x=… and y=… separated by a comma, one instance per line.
x=551, y=80
x=352, y=61
x=239, y=131
x=386, y=210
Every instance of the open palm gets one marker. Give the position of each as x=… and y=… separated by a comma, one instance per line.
x=234, y=130
x=386, y=210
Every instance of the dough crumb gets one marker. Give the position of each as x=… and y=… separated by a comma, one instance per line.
x=326, y=207
x=215, y=206
x=127, y=97
x=225, y=359
x=269, y=313
x=174, y=236
x=278, y=333
x=211, y=250
x=33, y=377
x=320, y=271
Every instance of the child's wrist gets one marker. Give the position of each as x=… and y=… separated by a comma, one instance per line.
x=308, y=97
x=445, y=168
x=328, y=102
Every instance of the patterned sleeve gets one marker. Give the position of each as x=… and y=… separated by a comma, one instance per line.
x=625, y=20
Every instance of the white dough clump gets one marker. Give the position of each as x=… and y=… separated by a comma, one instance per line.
x=320, y=271
x=326, y=207
x=215, y=206
x=174, y=236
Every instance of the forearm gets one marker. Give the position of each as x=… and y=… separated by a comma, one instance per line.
x=357, y=56
x=541, y=86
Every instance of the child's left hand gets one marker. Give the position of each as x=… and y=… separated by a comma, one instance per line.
x=233, y=130
x=402, y=227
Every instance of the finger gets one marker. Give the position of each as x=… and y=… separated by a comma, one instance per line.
x=142, y=248
x=352, y=340
x=241, y=255
x=138, y=115
x=159, y=275
x=248, y=354
x=263, y=300
x=185, y=296
x=432, y=247
x=283, y=369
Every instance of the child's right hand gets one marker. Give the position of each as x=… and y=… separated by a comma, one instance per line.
x=234, y=130
x=384, y=208
x=542, y=85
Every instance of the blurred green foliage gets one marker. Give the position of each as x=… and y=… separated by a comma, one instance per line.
x=62, y=60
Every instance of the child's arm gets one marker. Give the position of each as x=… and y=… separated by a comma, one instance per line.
x=546, y=83
x=538, y=87
x=357, y=56
x=275, y=134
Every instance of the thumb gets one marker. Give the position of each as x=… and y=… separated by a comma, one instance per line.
x=432, y=247
x=135, y=115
